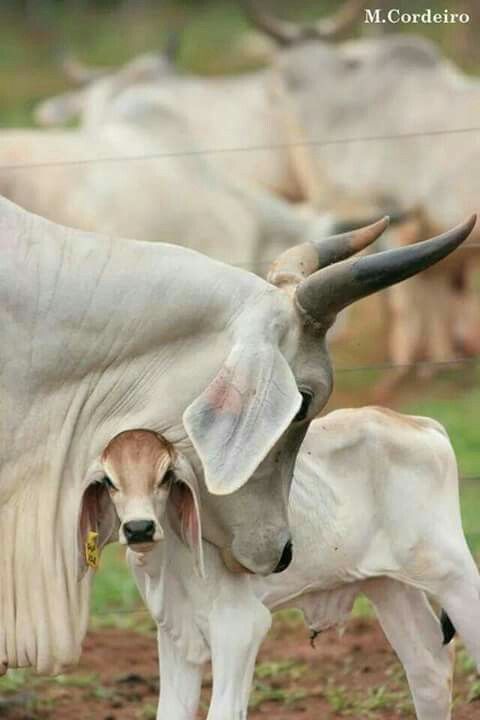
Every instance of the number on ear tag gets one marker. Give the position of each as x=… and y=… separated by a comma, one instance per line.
x=92, y=554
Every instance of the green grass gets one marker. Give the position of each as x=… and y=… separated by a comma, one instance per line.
x=459, y=412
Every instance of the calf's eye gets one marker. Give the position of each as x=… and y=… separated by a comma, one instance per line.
x=307, y=398
x=108, y=483
x=168, y=478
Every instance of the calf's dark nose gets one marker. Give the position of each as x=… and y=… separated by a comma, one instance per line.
x=139, y=531
x=286, y=558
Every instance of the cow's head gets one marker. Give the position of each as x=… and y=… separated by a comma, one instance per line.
x=137, y=478
x=99, y=87
x=250, y=420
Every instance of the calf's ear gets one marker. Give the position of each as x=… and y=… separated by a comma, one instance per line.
x=97, y=514
x=184, y=511
x=242, y=413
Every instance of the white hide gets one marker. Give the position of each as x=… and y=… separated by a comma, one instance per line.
x=374, y=508
x=95, y=333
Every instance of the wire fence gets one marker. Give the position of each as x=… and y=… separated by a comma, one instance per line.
x=245, y=148
x=122, y=611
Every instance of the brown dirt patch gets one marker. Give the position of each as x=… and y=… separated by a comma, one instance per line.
x=356, y=675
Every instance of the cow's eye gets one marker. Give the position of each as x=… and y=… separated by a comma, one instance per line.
x=108, y=483
x=307, y=398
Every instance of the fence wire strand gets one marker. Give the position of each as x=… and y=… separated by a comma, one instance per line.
x=245, y=148
x=143, y=611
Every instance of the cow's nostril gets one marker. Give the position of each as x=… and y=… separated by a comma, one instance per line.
x=286, y=558
x=139, y=531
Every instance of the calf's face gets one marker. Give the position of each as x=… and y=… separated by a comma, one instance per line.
x=140, y=477
x=138, y=466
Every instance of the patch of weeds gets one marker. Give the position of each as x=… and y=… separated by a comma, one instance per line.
x=14, y=680
x=102, y=693
x=78, y=680
x=147, y=712
x=263, y=692
x=474, y=692
x=465, y=664
x=338, y=699
x=272, y=669
x=356, y=705
x=381, y=698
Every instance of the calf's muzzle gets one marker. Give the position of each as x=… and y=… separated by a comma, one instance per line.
x=139, y=531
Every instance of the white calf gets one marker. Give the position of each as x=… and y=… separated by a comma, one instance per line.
x=374, y=509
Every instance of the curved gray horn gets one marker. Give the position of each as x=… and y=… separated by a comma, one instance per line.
x=282, y=31
x=289, y=33
x=326, y=292
x=341, y=22
x=300, y=261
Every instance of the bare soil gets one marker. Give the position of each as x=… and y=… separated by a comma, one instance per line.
x=354, y=675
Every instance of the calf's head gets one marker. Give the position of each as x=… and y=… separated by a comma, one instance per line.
x=138, y=479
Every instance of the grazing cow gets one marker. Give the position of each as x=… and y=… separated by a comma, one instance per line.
x=102, y=335
x=374, y=509
x=99, y=87
x=221, y=218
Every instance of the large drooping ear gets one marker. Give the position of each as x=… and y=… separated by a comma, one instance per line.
x=184, y=511
x=238, y=418
x=97, y=514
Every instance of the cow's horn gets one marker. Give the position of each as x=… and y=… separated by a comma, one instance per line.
x=322, y=295
x=282, y=31
x=341, y=22
x=289, y=33
x=300, y=261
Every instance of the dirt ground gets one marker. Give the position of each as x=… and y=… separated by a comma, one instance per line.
x=355, y=675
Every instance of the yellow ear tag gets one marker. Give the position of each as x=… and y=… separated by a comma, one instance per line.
x=92, y=554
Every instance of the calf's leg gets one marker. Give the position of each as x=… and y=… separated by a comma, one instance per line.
x=415, y=634
x=180, y=682
x=238, y=624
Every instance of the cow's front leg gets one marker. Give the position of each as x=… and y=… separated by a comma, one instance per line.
x=238, y=624
x=180, y=682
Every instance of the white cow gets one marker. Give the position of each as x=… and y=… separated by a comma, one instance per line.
x=374, y=509
x=99, y=87
x=70, y=178
x=101, y=335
